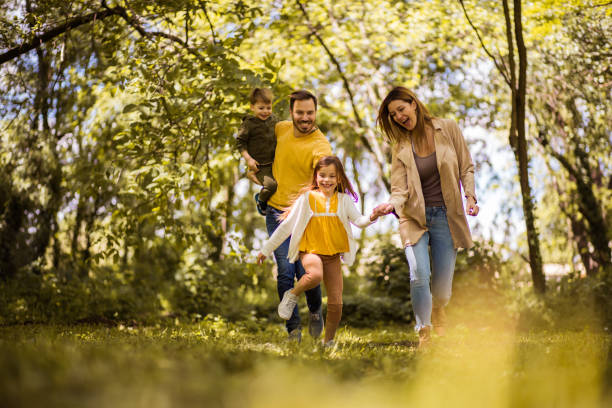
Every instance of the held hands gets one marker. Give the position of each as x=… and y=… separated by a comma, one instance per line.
x=471, y=208
x=260, y=258
x=380, y=210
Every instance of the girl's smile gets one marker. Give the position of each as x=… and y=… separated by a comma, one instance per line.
x=327, y=180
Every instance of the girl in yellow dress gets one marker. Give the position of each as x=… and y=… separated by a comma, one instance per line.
x=319, y=224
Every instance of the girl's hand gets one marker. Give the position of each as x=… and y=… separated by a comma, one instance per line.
x=471, y=208
x=382, y=209
x=260, y=258
x=374, y=216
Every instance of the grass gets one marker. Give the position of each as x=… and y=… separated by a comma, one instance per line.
x=219, y=364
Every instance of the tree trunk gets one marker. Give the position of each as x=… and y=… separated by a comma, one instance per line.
x=533, y=240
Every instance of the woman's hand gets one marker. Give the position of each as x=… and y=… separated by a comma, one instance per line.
x=260, y=258
x=382, y=209
x=471, y=208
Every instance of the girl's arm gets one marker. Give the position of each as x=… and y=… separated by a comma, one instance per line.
x=284, y=229
x=354, y=215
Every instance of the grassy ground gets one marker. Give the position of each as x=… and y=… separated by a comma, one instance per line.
x=217, y=364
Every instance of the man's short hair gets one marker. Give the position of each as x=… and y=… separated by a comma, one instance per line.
x=264, y=95
x=301, y=95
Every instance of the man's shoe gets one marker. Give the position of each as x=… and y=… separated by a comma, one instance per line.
x=438, y=320
x=261, y=206
x=295, y=335
x=286, y=306
x=316, y=323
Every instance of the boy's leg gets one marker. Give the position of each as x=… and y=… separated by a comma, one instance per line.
x=264, y=175
x=332, y=275
x=286, y=270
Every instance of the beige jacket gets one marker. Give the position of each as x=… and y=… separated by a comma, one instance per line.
x=454, y=164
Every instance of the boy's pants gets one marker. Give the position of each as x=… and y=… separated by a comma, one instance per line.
x=265, y=177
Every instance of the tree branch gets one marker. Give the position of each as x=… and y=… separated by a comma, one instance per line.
x=54, y=32
x=347, y=87
x=500, y=68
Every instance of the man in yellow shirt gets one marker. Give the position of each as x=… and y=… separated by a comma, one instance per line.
x=299, y=146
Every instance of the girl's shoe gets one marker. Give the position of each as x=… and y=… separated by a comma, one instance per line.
x=329, y=344
x=286, y=306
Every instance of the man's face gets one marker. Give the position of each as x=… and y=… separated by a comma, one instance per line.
x=304, y=115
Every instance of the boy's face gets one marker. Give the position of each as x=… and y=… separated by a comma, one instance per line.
x=261, y=109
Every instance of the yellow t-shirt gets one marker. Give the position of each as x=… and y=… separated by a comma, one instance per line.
x=324, y=234
x=294, y=161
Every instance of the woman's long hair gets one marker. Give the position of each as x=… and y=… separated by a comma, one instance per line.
x=343, y=186
x=394, y=132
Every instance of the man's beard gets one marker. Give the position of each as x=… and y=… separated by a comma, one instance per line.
x=298, y=126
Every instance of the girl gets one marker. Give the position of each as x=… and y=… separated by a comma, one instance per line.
x=318, y=223
x=429, y=161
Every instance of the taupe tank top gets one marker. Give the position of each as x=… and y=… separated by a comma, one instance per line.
x=430, y=179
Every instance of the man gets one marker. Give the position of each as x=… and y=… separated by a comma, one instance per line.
x=299, y=146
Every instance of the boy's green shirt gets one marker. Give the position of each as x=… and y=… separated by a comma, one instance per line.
x=257, y=137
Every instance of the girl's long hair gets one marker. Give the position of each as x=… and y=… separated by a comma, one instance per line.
x=344, y=185
x=394, y=132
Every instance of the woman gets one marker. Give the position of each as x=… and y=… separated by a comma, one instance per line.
x=429, y=160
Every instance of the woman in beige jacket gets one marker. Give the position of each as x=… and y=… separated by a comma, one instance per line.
x=430, y=163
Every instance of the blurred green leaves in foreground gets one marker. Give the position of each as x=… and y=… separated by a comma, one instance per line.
x=215, y=363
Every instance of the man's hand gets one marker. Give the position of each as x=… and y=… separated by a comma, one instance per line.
x=471, y=208
x=260, y=258
x=251, y=176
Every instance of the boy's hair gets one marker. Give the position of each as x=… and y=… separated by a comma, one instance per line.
x=301, y=95
x=264, y=95
x=344, y=185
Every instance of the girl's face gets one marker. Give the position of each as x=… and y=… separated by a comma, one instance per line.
x=327, y=179
x=403, y=113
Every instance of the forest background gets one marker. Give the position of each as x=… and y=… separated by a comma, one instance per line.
x=128, y=232
x=122, y=197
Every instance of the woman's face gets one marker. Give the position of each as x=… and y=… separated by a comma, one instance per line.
x=403, y=113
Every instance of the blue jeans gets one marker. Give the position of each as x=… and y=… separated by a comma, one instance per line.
x=288, y=272
x=443, y=255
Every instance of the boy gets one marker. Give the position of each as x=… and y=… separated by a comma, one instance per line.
x=256, y=142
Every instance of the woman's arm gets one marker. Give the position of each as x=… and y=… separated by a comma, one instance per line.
x=464, y=159
x=466, y=169
x=399, y=187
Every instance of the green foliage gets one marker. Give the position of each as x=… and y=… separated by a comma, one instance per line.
x=221, y=364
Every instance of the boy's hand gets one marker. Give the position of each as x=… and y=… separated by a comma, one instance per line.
x=252, y=165
x=260, y=258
